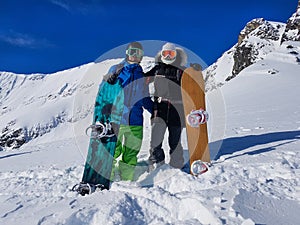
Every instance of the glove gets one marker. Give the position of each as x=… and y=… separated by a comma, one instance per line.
x=196, y=66
x=111, y=78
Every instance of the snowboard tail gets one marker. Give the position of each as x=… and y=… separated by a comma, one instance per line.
x=99, y=162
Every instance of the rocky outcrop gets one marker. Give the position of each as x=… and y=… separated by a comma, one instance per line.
x=251, y=26
x=292, y=30
x=12, y=138
x=258, y=38
x=248, y=49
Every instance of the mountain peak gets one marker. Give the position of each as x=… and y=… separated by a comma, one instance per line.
x=292, y=30
x=250, y=26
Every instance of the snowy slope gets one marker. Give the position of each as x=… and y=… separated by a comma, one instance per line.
x=254, y=178
x=38, y=103
x=34, y=105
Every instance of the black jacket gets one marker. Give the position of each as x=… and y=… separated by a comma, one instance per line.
x=167, y=94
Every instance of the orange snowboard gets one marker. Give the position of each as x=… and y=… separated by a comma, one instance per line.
x=193, y=96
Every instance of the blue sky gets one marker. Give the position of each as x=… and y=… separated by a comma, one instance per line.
x=51, y=35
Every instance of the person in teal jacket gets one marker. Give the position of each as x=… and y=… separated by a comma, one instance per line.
x=136, y=97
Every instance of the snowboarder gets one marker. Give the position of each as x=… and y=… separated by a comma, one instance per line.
x=136, y=97
x=168, y=106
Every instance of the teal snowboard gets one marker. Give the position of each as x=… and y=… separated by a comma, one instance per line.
x=108, y=112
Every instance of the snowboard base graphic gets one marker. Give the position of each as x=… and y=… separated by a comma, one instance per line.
x=107, y=116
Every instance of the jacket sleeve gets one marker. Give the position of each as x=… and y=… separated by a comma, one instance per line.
x=125, y=77
x=147, y=102
x=150, y=74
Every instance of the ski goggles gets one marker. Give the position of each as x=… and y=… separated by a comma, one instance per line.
x=135, y=52
x=170, y=53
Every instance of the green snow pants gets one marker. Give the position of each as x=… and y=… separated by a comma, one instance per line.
x=128, y=145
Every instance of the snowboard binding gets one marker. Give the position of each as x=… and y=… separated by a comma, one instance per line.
x=197, y=117
x=100, y=130
x=198, y=167
x=86, y=188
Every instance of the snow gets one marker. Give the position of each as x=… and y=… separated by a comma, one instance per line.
x=254, y=132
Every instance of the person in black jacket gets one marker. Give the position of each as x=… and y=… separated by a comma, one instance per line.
x=168, y=107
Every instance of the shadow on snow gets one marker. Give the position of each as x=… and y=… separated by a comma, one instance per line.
x=14, y=154
x=236, y=144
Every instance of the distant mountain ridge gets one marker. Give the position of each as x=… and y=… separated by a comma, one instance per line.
x=32, y=105
x=36, y=104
